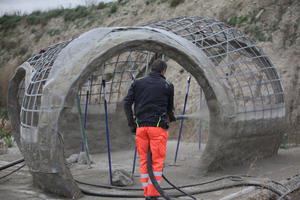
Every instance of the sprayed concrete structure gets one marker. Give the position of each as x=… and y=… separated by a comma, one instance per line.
x=243, y=91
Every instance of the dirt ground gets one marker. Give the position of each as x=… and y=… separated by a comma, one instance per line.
x=277, y=168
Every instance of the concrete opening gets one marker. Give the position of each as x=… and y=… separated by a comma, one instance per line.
x=242, y=90
x=118, y=74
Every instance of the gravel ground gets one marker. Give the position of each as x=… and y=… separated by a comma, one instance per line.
x=277, y=168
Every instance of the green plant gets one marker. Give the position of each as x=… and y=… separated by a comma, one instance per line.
x=38, y=37
x=122, y=3
x=181, y=71
x=53, y=13
x=9, y=141
x=284, y=142
x=38, y=17
x=4, y=133
x=73, y=14
x=149, y=1
x=53, y=32
x=175, y=3
x=259, y=34
x=9, y=22
x=3, y=113
x=239, y=21
x=113, y=9
x=33, y=30
x=34, y=18
x=101, y=5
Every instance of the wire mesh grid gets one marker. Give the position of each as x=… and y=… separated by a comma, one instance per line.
x=252, y=79
x=31, y=97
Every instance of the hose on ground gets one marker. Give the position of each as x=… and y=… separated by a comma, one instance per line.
x=152, y=178
x=196, y=191
x=134, y=195
x=178, y=188
x=231, y=177
x=108, y=194
x=288, y=192
x=109, y=187
x=211, y=189
x=12, y=164
x=12, y=172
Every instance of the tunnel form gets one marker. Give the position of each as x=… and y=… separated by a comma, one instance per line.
x=242, y=88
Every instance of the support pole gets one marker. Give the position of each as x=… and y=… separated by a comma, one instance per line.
x=200, y=120
x=85, y=113
x=186, y=96
x=132, y=80
x=106, y=121
x=227, y=57
x=133, y=166
x=83, y=132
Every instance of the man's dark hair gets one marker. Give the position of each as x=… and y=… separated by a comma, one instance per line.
x=159, y=66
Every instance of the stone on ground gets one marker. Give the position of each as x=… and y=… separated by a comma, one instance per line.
x=121, y=178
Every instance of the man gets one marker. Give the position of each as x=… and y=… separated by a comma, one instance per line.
x=154, y=108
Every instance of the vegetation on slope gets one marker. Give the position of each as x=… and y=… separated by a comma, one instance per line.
x=23, y=35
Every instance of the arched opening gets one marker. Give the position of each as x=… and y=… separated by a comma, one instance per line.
x=247, y=102
x=183, y=52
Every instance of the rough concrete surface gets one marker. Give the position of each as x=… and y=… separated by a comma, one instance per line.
x=41, y=133
x=279, y=167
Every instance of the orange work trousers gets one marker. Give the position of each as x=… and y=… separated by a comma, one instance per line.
x=156, y=138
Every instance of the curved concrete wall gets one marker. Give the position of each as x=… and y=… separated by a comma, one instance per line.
x=40, y=137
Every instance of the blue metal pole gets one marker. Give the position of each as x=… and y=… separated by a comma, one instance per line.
x=107, y=132
x=186, y=96
x=135, y=149
x=200, y=126
x=133, y=167
x=85, y=113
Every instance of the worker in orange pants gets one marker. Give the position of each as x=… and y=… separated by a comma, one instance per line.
x=155, y=138
x=153, y=98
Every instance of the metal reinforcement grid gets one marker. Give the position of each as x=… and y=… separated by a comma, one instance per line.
x=248, y=72
x=42, y=63
x=251, y=78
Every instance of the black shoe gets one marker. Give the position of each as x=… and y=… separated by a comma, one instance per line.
x=151, y=198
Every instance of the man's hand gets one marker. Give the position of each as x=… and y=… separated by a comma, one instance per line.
x=133, y=130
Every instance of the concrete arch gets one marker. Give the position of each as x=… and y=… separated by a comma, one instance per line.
x=74, y=66
x=43, y=145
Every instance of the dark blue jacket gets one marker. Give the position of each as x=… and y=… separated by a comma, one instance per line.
x=153, y=101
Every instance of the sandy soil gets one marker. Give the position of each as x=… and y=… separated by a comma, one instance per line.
x=279, y=167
